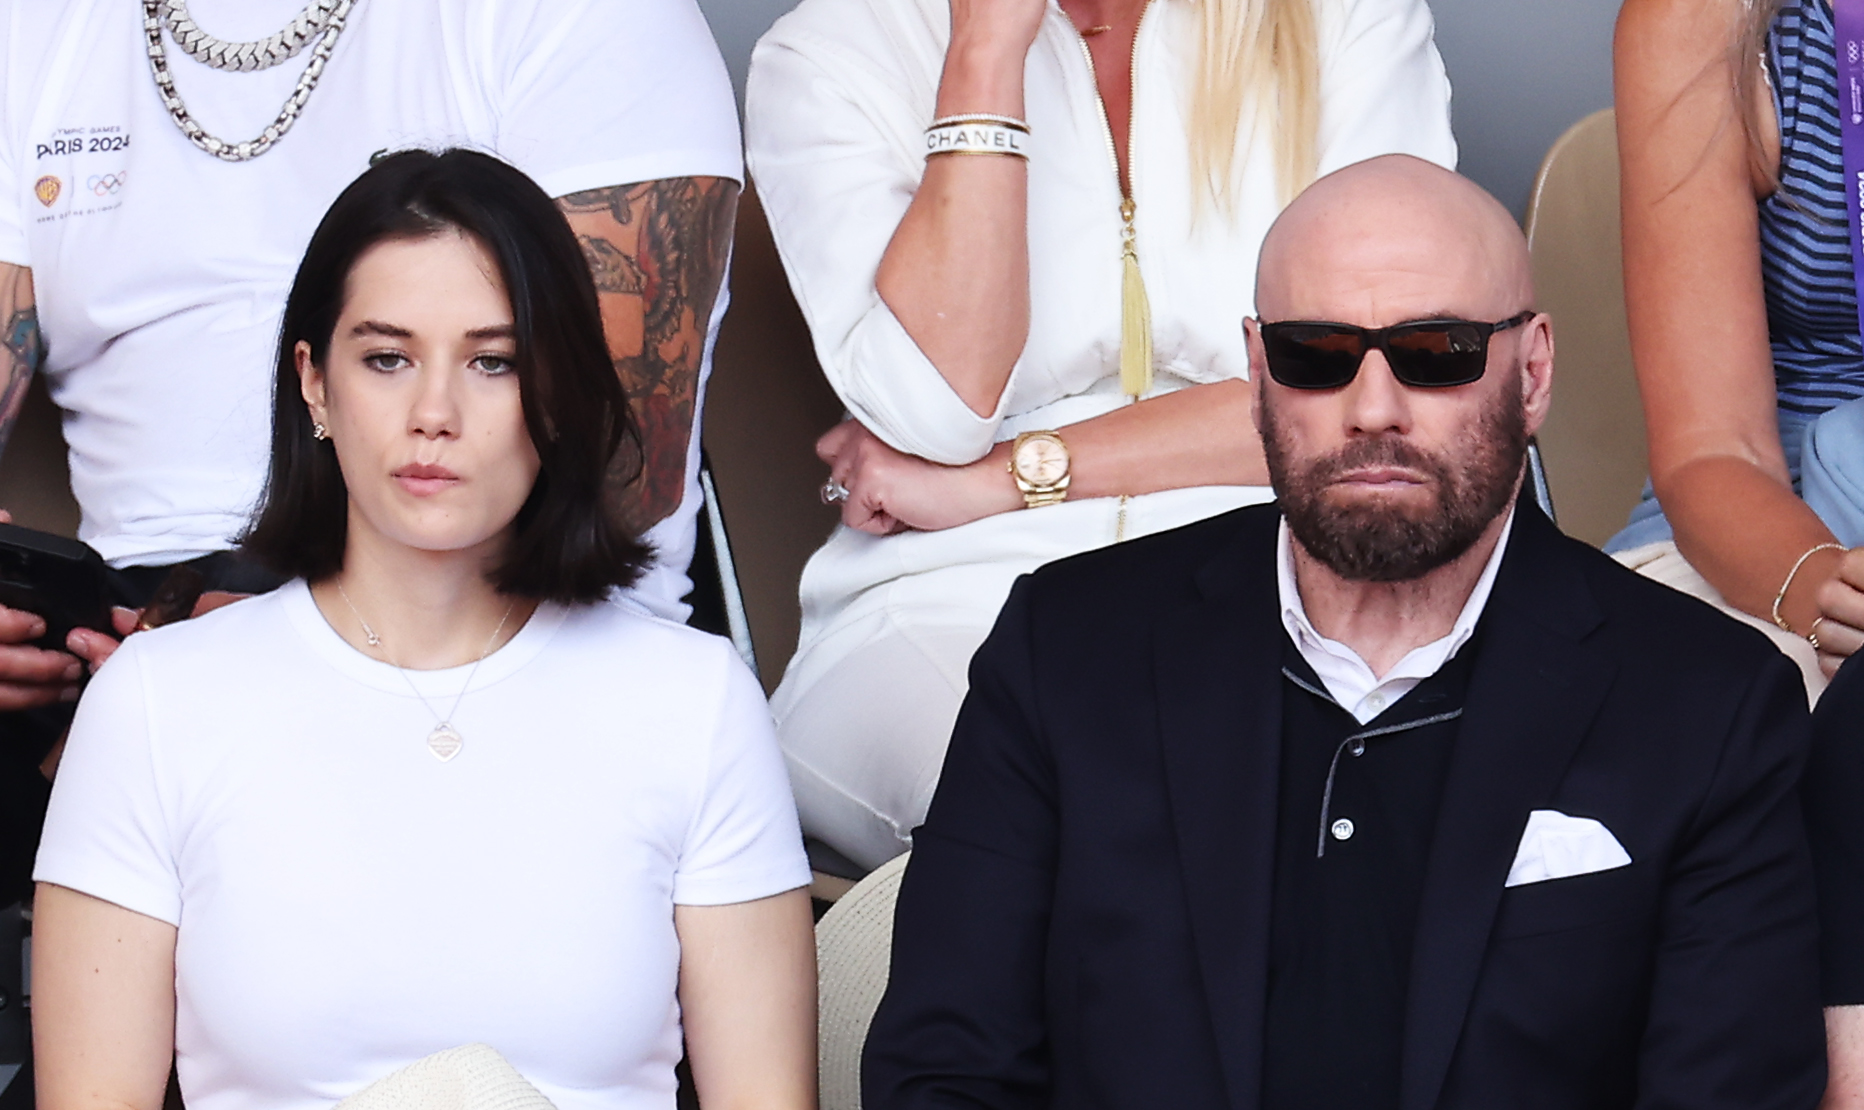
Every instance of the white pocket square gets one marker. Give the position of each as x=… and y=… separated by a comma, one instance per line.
x=1556, y=846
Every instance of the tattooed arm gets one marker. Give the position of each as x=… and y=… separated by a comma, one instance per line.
x=28, y=675
x=22, y=348
x=658, y=251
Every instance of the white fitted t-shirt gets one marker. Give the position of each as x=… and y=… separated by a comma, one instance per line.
x=161, y=271
x=348, y=904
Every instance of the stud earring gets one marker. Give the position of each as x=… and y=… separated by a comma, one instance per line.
x=318, y=431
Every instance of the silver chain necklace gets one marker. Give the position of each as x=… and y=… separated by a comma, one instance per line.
x=321, y=19
x=445, y=741
x=245, y=56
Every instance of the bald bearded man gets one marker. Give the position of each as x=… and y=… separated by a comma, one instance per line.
x=1375, y=798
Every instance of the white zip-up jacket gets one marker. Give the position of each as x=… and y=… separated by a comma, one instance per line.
x=840, y=93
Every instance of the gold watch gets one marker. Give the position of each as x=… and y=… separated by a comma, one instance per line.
x=1039, y=463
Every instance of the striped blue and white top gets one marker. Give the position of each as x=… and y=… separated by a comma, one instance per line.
x=1805, y=256
x=1812, y=311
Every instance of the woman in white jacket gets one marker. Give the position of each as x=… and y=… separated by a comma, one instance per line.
x=1077, y=310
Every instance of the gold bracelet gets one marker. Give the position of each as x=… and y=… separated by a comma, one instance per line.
x=1784, y=586
x=981, y=117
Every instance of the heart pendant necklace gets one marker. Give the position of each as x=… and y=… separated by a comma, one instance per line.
x=444, y=741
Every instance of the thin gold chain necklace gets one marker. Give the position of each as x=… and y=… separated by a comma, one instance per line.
x=444, y=741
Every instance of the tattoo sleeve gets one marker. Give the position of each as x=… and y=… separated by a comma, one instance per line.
x=658, y=251
x=22, y=347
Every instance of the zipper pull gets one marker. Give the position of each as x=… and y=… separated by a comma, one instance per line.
x=1135, y=313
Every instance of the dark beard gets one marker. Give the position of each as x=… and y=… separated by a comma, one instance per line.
x=1373, y=540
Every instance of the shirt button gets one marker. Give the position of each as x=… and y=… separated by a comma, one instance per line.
x=1376, y=703
x=1356, y=749
x=1342, y=829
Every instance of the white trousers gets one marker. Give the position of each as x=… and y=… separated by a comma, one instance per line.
x=1663, y=563
x=866, y=741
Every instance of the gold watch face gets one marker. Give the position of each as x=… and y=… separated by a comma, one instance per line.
x=1041, y=461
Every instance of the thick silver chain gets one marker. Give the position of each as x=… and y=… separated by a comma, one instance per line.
x=228, y=56
x=245, y=56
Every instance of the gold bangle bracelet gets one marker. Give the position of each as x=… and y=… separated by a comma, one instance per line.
x=1790, y=575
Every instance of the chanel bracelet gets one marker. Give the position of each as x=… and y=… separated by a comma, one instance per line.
x=978, y=134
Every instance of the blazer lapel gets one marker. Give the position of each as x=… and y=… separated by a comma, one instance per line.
x=1534, y=690
x=1218, y=674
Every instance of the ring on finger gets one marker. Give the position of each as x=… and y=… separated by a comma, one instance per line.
x=1812, y=634
x=833, y=492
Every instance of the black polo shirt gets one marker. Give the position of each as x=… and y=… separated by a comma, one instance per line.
x=1358, y=805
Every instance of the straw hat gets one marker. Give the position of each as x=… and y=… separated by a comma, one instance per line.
x=854, y=942
x=470, y=1077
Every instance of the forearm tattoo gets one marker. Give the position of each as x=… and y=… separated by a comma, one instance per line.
x=657, y=250
x=22, y=342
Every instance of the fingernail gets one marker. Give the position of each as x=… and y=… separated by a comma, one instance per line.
x=36, y=629
x=73, y=671
x=69, y=693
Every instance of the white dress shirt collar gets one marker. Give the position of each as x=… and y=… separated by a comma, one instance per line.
x=1346, y=676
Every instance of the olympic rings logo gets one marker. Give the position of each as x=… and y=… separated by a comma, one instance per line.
x=108, y=184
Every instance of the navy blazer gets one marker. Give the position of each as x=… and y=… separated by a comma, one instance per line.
x=1085, y=919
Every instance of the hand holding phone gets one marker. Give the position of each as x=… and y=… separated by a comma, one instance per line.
x=35, y=668
x=62, y=581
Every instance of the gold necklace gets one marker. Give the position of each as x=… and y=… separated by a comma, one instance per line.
x=444, y=741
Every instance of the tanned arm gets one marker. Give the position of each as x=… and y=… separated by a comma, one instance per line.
x=1697, y=309
x=658, y=250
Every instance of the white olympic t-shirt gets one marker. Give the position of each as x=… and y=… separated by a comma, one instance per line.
x=161, y=271
x=348, y=904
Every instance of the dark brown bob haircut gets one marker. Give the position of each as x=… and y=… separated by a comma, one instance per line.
x=567, y=546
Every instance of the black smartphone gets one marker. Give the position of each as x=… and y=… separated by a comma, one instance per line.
x=61, y=580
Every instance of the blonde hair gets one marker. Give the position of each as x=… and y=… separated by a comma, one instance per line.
x=1258, y=67
x=1750, y=72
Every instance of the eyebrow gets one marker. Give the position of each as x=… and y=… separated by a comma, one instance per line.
x=1443, y=314
x=395, y=331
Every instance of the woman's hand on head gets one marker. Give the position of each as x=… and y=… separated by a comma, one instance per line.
x=890, y=491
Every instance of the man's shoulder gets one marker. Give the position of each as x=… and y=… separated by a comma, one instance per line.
x=1661, y=629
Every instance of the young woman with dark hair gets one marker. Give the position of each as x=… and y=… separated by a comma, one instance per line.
x=440, y=789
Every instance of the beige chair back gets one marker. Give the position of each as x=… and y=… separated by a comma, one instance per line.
x=35, y=483
x=854, y=945
x=765, y=407
x=1593, y=441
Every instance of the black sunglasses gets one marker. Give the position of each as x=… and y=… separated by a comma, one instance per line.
x=1424, y=354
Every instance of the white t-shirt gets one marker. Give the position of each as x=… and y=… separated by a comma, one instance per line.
x=348, y=904
x=161, y=271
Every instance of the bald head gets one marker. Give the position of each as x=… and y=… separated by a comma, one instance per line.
x=1390, y=239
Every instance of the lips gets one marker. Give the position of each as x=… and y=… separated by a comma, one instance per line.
x=1381, y=475
x=425, y=479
